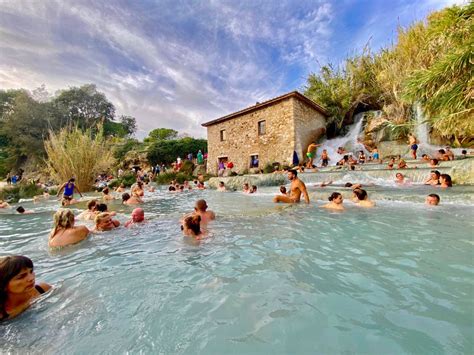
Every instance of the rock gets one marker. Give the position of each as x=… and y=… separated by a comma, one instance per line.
x=236, y=182
x=199, y=169
x=254, y=171
x=392, y=148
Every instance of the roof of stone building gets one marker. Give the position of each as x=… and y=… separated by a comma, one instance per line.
x=270, y=102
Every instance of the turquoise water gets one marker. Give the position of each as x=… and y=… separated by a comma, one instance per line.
x=269, y=279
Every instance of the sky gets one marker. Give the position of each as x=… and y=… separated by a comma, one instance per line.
x=179, y=63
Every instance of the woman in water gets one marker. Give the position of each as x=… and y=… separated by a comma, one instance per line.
x=191, y=227
x=335, y=202
x=434, y=178
x=120, y=188
x=361, y=157
x=400, y=178
x=362, y=199
x=137, y=190
x=106, y=195
x=17, y=286
x=90, y=213
x=445, y=180
x=64, y=233
x=104, y=222
x=130, y=200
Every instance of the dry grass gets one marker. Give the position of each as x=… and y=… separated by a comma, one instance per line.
x=79, y=154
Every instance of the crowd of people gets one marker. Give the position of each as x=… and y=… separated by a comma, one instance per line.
x=18, y=287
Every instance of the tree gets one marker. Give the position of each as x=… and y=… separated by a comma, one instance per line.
x=84, y=106
x=129, y=124
x=161, y=134
x=166, y=151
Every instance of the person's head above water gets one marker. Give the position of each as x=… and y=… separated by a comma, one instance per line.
x=103, y=221
x=20, y=209
x=125, y=197
x=292, y=174
x=221, y=184
x=360, y=194
x=445, y=179
x=253, y=189
x=432, y=199
x=63, y=218
x=335, y=197
x=399, y=176
x=138, y=215
x=201, y=206
x=192, y=225
x=101, y=207
x=105, y=191
x=91, y=205
x=435, y=174
x=283, y=189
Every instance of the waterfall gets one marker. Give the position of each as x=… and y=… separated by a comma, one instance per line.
x=350, y=141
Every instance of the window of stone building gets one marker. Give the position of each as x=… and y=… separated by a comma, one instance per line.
x=254, y=161
x=261, y=128
x=223, y=135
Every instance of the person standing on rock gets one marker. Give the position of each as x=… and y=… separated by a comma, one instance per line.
x=311, y=154
x=412, y=141
x=200, y=158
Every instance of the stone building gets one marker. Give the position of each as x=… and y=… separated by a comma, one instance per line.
x=268, y=132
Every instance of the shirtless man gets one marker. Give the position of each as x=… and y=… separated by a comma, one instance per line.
x=201, y=210
x=311, y=154
x=297, y=188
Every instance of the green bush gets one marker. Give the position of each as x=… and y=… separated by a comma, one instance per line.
x=268, y=169
x=126, y=179
x=22, y=190
x=187, y=167
x=166, y=178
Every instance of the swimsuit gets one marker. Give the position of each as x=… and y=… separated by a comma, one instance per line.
x=3, y=312
x=325, y=162
x=309, y=155
x=376, y=155
x=69, y=191
x=414, y=146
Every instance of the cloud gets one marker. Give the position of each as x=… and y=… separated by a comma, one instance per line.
x=174, y=64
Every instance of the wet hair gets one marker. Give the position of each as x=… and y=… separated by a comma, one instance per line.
x=294, y=172
x=464, y=151
x=435, y=161
x=348, y=184
x=396, y=175
x=105, y=191
x=125, y=197
x=20, y=209
x=221, y=183
x=10, y=266
x=100, y=217
x=424, y=155
x=254, y=188
x=436, y=172
x=334, y=195
x=181, y=187
x=201, y=205
x=246, y=184
x=345, y=157
x=102, y=207
x=283, y=189
x=442, y=151
x=447, y=178
x=171, y=188
x=63, y=218
x=436, y=196
x=352, y=167
x=361, y=194
x=194, y=223
x=91, y=203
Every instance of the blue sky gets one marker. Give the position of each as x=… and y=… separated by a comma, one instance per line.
x=180, y=63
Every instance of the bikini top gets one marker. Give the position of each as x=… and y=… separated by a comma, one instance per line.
x=3, y=312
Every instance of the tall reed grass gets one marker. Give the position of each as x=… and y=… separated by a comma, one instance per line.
x=79, y=154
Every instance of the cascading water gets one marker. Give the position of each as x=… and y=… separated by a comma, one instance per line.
x=350, y=141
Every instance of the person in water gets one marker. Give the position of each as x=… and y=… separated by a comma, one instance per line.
x=201, y=209
x=335, y=202
x=131, y=200
x=106, y=194
x=449, y=153
x=402, y=164
x=191, y=227
x=362, y=198
x=434, y=178
x=64, y=232
x=120, y=188
x=90, y=213
x=400, y=178
x=18, y=288
x=376, y=155
x=138, y=216
x=445, y=180
x=283, y=190
x=253, y=189
x=221, y=187
x=432, y=200
x=137, y=190
x=246, y=188
x=434, y=163
x=425, y=158
x=362, y=157
x=69, y=188
x=391, y=163
x=297, y=187
x=21, y=210
x=412, y=141
x=4, y=204
x=104, y=222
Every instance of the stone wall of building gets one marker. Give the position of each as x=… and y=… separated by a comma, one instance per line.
x=242, y=139
x=310, y=125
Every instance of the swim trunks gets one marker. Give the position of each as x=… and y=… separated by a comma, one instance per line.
x=325, y=162
x=376, y=155
x=309, y=155
x=414, y=147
